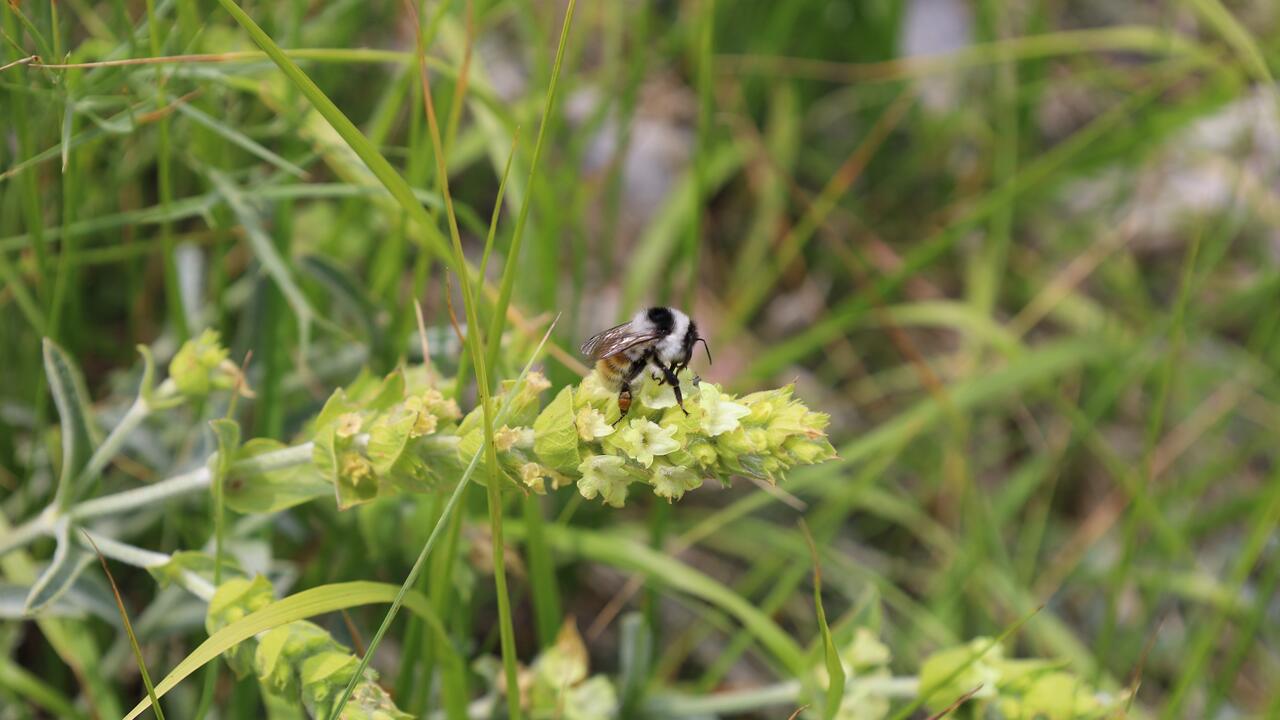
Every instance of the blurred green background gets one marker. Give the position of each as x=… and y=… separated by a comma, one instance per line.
x=1024, y=252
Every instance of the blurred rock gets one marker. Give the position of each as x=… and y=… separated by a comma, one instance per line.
x=936, y=27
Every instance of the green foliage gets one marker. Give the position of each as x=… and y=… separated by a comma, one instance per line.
x=299, y=660
x=1029, y=275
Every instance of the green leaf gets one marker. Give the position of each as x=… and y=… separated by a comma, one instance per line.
x=555, y=438
x=249, y=490
x=67, y=564
x=78, y=437
x=308, y=603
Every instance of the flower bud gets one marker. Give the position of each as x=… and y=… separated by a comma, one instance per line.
x=198, y=366
x=704, y=454
x=808, y=452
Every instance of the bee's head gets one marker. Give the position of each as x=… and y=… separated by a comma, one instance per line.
x=691, y=338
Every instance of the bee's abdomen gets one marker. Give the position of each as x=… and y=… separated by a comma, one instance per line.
x=612, y=370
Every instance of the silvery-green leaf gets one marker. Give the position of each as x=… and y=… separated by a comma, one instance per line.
x=67, y=564
x=78, y=437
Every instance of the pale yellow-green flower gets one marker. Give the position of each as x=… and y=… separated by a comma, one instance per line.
x=657, y=396
x=866, y=651
x=673, y=481
x=534, y=477
x=605, y=476
x=592, y=391
x=437, y=404
x=643, y=440
x=348, y=425
x=356, y=467
x=592, y=425
x=508, y=437
x=536, y=382
x=719, y=415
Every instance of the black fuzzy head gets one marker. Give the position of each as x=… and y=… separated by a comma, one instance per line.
x=664, y=321
x=686, y=343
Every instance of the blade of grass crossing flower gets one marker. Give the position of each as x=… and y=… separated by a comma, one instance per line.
x=441, y=523
x=926, y=693
x=512, y=265
x=299, y=606
x=835, y=671
x=128, y=629
x=475, y=347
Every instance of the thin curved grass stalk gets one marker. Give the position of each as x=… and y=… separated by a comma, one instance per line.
x=128, y=628
x=513, y=254
x=440, y=525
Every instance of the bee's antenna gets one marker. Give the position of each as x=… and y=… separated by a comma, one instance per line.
x=704, y=347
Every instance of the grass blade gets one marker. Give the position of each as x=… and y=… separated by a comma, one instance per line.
x=300, y=606
x=341, y=124
x=265, y=250
x=512, y=265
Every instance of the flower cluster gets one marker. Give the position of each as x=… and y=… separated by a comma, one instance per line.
x=402, y=434
x=673, y=449
x=298, y=660
x=373, y=437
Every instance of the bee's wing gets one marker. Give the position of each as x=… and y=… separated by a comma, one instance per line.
x=616, y=339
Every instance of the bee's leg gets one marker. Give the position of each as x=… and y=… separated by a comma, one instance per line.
x=669, y=375
x=624, y=392
x=624, y=401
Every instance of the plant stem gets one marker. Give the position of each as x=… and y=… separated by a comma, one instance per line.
x=132, y=418
x=131, y=500
x=139, y=557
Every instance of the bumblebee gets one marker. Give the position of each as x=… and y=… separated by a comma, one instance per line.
x=660, y=338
